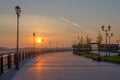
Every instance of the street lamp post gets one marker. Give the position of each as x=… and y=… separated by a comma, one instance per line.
x=106, y=30
x=18, y=12
x=111, y=35
x=42, y=43
x=118, y=43
x=34, y=42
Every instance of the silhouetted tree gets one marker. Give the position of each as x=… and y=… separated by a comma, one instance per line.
x=80, y=41
x=99, y=38
x=88, y=40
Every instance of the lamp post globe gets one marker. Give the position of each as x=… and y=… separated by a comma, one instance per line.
x=18, y=11
x=109, y=28
x=111, y=34
x=34, y=34
x=102, y=27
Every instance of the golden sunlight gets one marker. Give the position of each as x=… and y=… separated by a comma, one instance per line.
x=39, y=40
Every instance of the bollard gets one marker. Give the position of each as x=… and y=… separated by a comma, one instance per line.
x=99, y=59
x=1, y=65
x=9, y=61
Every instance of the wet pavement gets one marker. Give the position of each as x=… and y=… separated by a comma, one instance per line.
x=67, y=66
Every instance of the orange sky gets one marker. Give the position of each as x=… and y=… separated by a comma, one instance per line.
x=56, y=30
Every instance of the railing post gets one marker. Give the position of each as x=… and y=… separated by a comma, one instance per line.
x=22, y=55
x=28, y=54
x=33, y=54
x=9, y=61
x=19, y=56
x=14, y=58
x=25, y=55
x=1, y=65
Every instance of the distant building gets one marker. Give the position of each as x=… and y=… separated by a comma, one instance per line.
x=111, y=47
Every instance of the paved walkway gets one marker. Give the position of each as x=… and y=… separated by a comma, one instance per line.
x=67, y=66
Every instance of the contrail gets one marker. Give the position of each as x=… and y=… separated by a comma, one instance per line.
x=70, y=22
x=76, y=25
x=64, y=19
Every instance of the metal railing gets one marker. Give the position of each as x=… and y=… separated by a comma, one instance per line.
x=8, y=60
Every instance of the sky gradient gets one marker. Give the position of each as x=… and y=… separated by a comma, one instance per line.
x=57, y=21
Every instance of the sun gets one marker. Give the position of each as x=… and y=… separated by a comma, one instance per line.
x=39, y=40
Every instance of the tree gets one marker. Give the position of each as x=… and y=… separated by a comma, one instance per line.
x=99, y=38
x=80, y=41
x=88, y=40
